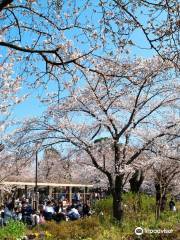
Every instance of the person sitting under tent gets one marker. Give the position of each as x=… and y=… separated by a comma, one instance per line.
x=86, y=210
x=48, y=211
x=73, y=214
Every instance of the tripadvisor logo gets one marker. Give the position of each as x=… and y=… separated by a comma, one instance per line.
x=138, y=231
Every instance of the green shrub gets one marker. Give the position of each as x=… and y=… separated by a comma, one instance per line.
x=104, y=206
x=13, y=230
x=139, y=211
x=87, y=228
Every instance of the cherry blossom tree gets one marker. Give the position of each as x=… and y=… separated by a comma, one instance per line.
x=10, y=85
x=133, y=106
x=10, y=96
x=12, y=164
x=15, y=166
x=53, y=168
x=82, y=168
x=73, y=47
x=51, y=38
x=158, y=21
x=165, y=169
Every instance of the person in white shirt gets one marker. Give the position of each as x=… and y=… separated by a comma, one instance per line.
x=73, y=214
x=49, y=208
x=49, y=211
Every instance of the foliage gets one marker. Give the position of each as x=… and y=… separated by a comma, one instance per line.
x=103, y=206
x=13, y=230
x=82, y=229
x=137, y=215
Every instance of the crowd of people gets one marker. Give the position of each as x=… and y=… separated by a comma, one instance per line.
x=47, y=210
x=23, y=209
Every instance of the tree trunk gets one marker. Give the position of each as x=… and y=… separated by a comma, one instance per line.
x=117, y=198
x=136, y=181
x=158, y=200
x=163, y=202
x=161, y=199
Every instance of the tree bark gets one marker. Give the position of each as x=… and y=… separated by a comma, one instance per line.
x=4, y=3
x=136, y=181
x=161, y=199
x=158, y=200
x=163, y=202
x=160, y=205
x=117, y=198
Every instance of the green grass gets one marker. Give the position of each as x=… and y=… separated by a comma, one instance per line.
x=13, y=230
x=139, y=211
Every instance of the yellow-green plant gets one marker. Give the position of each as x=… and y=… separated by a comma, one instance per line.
x=13, y=230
